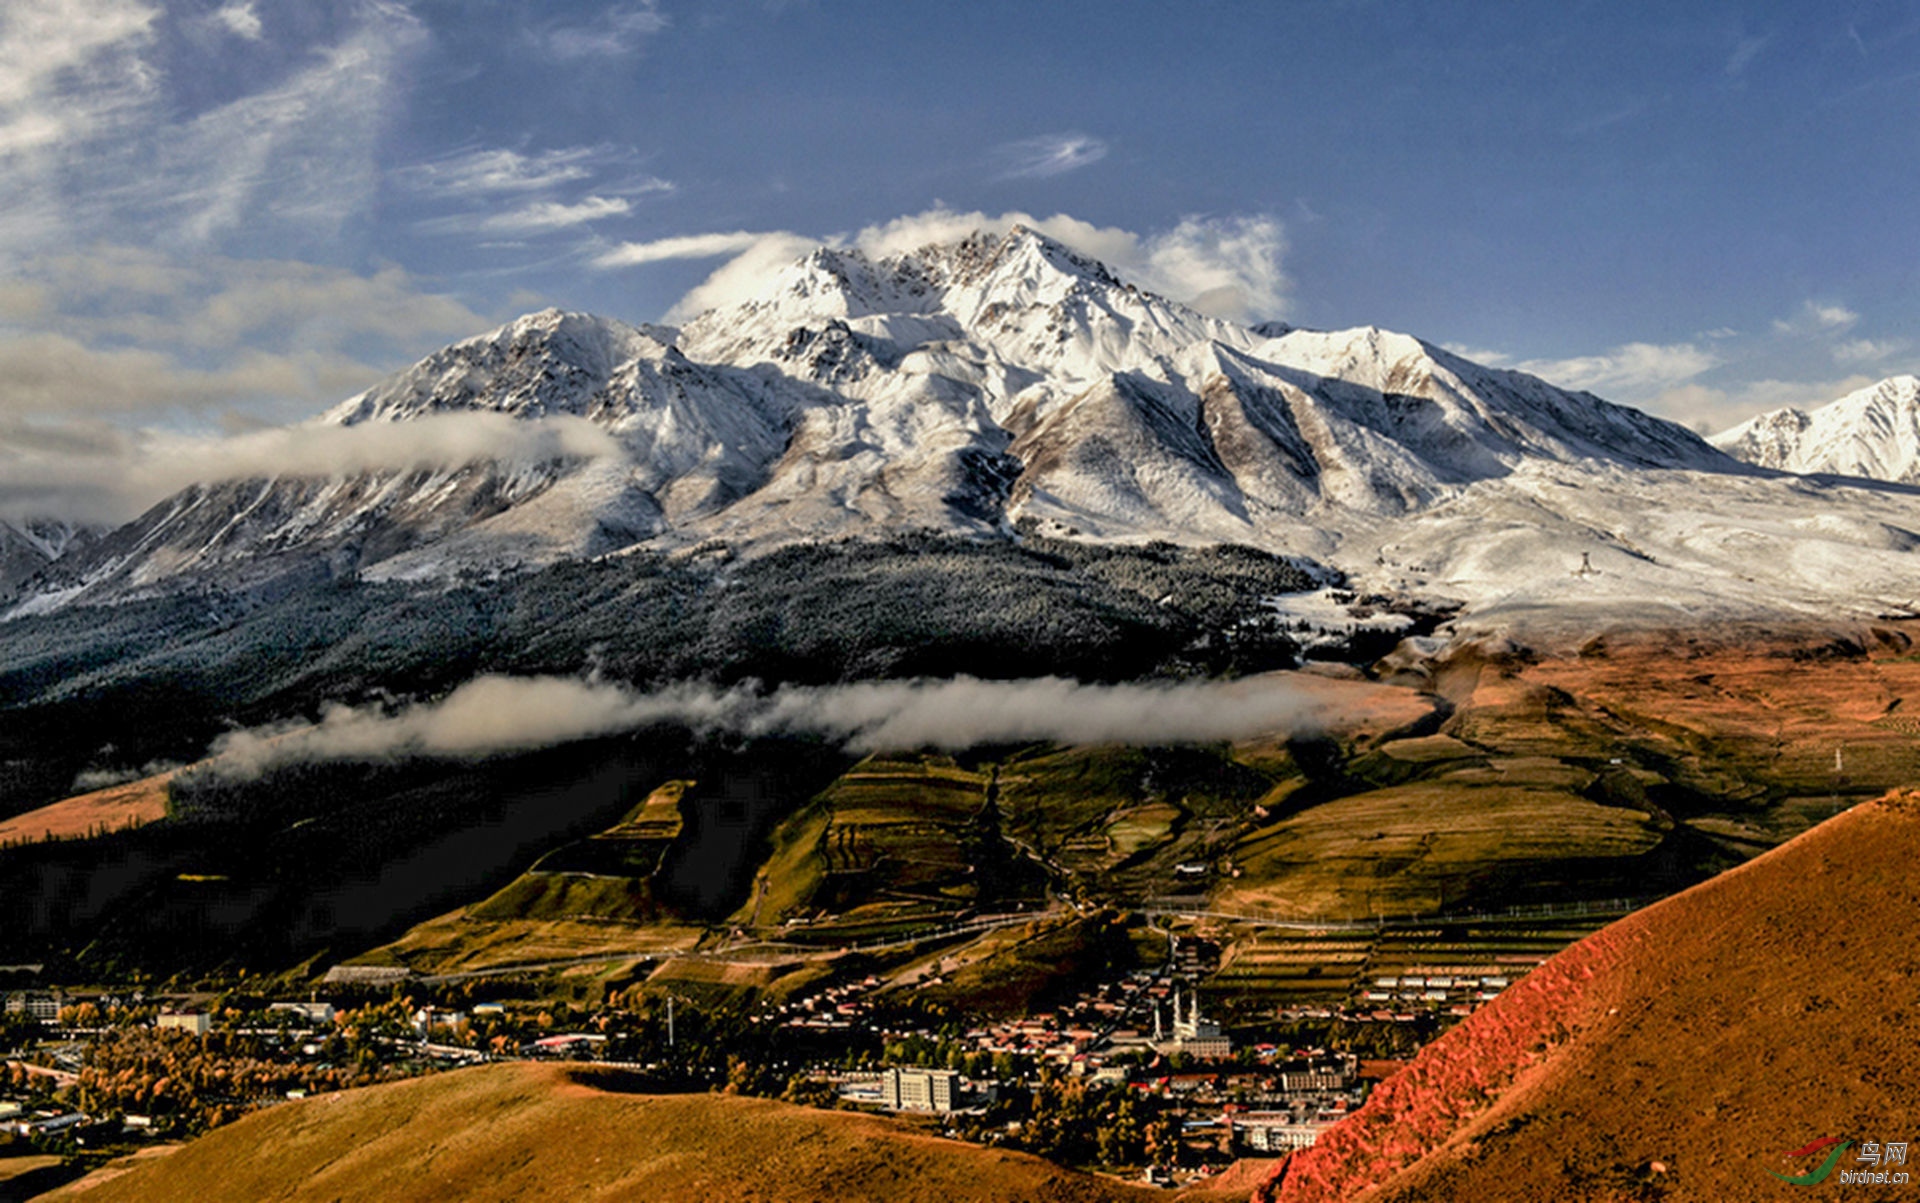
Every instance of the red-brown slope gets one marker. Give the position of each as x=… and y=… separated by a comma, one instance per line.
x=1675, y=1054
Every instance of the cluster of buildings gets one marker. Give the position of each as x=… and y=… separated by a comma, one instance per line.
x=837, y=1008
x=1302, y=1098
x=1457, y=992
x=1133, y=1019
x=1415, y=997
x=16, y=1120
x=941, y=1091
x=43, y=1005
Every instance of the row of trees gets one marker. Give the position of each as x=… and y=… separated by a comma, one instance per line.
x=191, y=1083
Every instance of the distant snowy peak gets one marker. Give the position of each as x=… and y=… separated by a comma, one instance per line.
x=545, y=364
x=1873, y=433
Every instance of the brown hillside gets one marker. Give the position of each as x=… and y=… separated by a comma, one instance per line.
x=527, y=1132
x=1675, y=1054
x=111, y=809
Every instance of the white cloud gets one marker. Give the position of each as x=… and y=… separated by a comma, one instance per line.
x=1867, y=350
x=1632, y=371
x=1744, y=374
x=100, y=136
x=115, y=333
x=965, y=712
x=535, y=181
x=1048, y=155
x=1227, y=267
x=618, y=31
x=1816, y=318
x=241, y=21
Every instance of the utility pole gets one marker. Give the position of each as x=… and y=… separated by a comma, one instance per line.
x=669, y=1021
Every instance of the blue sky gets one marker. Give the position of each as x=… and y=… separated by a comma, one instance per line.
x=217, y=213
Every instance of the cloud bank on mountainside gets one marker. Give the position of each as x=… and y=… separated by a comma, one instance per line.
x=494, y=715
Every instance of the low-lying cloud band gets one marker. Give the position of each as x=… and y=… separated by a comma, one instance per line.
x=495, y=715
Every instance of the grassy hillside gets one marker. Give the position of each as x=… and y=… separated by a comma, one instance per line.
x=1676, y=1054
x=535, y=1132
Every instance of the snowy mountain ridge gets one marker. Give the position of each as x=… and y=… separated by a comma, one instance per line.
x=1000, y=383
x=1873, y=432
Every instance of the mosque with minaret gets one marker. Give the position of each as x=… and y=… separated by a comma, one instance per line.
x=1192, y=1034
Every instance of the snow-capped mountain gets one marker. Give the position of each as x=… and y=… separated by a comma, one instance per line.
x=990, y=385
x=1874, y=433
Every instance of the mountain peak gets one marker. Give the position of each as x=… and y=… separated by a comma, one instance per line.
x=546, y=362
x=1022, y=261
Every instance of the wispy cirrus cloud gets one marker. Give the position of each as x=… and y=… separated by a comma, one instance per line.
x=538, y=217
x=546, y=192
x=303, y=152
x=686, y=246
x=489, y=171
x=101, y=137
x=1048, y=155
x=1744, y=52
x=618, y=31
x=68, y=69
